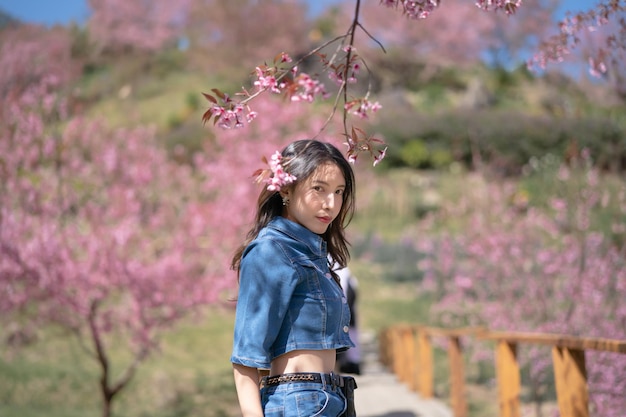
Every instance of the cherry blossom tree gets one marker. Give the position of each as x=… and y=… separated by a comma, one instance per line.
x=104, y=234
x=216, y=40
x=118, y=26
x=515, y=37
x=25, y=58
x=608, y=65
x=602, y=27
x=443, y=38
x=523, y=268
x=98, y=233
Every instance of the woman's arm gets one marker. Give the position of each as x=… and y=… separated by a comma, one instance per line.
x=247, y=384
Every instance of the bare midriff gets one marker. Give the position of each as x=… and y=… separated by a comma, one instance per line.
x=322, y=361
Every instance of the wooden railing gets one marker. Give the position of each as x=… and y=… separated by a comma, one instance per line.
x=408, y=351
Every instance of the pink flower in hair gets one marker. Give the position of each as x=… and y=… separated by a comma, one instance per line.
x=275, y=176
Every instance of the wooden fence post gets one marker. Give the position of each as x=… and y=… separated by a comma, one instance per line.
x=407, y=350
x=508, y=374
x=396, y=352
x=411, y=351
x=570, y=376
x=457, y=377
x=425, y=364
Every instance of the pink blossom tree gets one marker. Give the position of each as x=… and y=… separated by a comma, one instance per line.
x=217, y=41
x=524, y=268
x=103, y=234
x=443, y=38
x=97, y=233
x=515, y=37
x=598, y=33
x=25, y=58
x=122, y=26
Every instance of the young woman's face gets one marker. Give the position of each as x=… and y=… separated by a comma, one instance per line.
x=316, y=202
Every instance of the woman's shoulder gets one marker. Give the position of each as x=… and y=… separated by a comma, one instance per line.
x=268, y=242
x=266, y=254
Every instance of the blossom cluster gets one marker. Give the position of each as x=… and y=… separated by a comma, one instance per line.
x=359, y=142
x=275, y=176
x=306, y=88
x=509, y=6
x=267, y=80
x=557, y=47
x=361, y=107
x=226, y=112
x=344, y=72
x=414, y=9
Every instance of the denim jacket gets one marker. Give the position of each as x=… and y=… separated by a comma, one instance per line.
x=287, y=298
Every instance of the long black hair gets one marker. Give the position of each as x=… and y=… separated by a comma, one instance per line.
x=300, y=159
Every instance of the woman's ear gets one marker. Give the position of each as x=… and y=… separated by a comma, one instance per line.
x=285, y=192
x=285, y=196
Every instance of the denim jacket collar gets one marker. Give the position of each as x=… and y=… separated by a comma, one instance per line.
x=313, y=241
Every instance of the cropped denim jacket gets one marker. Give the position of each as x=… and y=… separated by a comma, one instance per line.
x=287, y=298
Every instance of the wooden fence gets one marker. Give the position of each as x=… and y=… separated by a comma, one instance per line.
x=407, y=350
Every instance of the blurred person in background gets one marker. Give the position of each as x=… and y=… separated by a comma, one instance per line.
x=349, y=361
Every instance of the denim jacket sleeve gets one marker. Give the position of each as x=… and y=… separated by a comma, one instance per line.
x=267, y=281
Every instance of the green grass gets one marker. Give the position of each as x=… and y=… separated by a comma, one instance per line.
x=45, y=375
x=191, y=375
x=383, y=303
x=150, y=103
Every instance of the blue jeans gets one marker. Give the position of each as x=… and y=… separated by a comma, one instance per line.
x=302, y=399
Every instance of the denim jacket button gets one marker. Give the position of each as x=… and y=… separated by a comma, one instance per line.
x=327, y=275
x=345, y=329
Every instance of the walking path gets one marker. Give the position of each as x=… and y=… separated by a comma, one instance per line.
x=380, y=394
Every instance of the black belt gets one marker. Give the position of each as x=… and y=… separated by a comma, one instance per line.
x=330, y=379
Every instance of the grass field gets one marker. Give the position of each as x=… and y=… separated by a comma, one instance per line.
x=191, y=375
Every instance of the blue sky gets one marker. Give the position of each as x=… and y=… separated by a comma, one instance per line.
x=51, y=12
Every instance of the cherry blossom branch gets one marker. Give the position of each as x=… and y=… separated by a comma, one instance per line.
x=557, y=47
x=227, y=112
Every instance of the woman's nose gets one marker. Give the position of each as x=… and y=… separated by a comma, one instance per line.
x=329, y=202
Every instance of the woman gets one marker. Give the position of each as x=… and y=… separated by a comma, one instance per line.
x=292, y=316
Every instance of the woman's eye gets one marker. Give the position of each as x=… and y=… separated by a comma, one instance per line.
x=317, y=188
x=339, y=192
